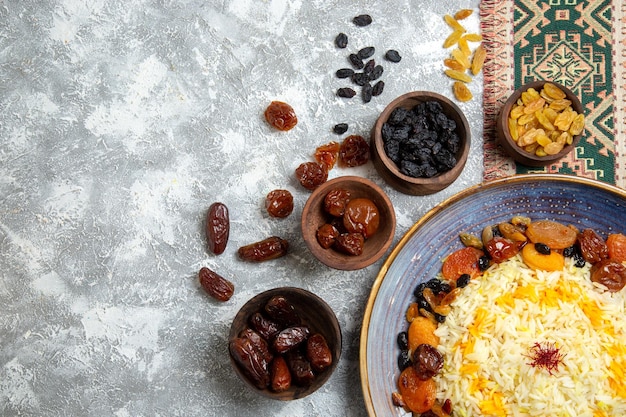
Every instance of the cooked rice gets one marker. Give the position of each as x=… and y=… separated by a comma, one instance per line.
x=487, y=337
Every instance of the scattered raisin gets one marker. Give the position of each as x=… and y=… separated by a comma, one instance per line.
x=264, y=250
x=356, y=61
x=279, y=203
x=376, y=73
x=215, y=285
x=366, y=52
x=344, y=73
x=340, y=128
x=393, y=56
x=281, y=115
x=366, y=93
x=362, y=20
x=378, y=88
x=217, y=227
x=346, y=92
x=341, y=41
x=355, y=151
x=311, y=174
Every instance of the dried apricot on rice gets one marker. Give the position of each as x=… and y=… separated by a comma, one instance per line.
x=419, y=396
x=461, y=92
x=422, y=330
x=616, y=244
x=461, y=261
x=554, y=234
x=553, y=261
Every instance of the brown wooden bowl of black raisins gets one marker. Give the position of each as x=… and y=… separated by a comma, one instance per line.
x=348, y=223
x=420, y=143
x=285, y=343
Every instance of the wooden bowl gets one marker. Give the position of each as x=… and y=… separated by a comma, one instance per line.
x=512, y=148
x=314, y=216
x=315, y=313
x=388, y=169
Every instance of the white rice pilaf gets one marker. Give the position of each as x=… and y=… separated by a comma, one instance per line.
x=487, y=338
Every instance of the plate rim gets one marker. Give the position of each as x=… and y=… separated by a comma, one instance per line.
x=380, y=277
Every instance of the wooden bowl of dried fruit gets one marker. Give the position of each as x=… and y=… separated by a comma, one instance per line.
x=348, y=223
x=285, y=343
x=540, y=123
x=420, y=143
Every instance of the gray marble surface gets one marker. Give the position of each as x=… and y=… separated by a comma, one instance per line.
x=120, y=123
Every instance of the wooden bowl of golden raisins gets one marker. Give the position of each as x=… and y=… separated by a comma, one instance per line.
x=540, y=123
x=285, y=343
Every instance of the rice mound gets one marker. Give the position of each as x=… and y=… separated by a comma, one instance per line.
x=487, y=338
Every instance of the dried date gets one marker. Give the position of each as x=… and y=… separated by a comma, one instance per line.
x=278, y=308
x=251, y=362
x=427, y=361
x=217, y=227
x=271, y=248
x=279, y=203
x=301, y=371
x=289, y=338
x=280, y=375
x=311, y=175
x=264, y=326
x=318, y=353
x=215, y=285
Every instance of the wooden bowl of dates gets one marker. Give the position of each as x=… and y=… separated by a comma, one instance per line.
x=420, y=143
x=540, y=123
x=348, y=223
x=285, y=343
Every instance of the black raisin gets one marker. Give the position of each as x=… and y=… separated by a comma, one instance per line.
x=362, y=20
x=419, y=289
x=403, y=340
x=440, y=318
x=542, y=248
x=393, y=55
x=366, y=93
x=569, y=252
x=378, y=88
x=356, y=61
x=340, y=128
x=344, y=73
x=369, y=67
x=367, y=52
x=483, y=263
x=346, y=92
x=360, y=78
x=341, y=41
x=376, y=72
x=404, y=360
x=579, y=260
x=463, y=281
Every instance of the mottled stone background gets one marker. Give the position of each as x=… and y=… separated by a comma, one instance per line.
x=120, y=123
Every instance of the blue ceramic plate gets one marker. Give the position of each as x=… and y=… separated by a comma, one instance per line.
x=417, y=257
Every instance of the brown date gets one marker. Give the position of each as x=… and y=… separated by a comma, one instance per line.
x=265, y=327
x=264, y=250
x=318, y=353
x=215, y=285
x=282, y=311
x=301, y=371
x=427, y=361
x=259, y=343
x=350, y=243
x=326, y=235
x=289, y=338
x=217, y=227
x=335, y=202
x=280, y=375
x=610, y=273
x=592, y=246
x=251, y=362
x=279, y=203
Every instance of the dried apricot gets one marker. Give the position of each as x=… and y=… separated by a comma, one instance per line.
x=422, y=330
x=552, y=261
x=554, y=234
x=462, y=261
x=616, y=245
x=419, y=396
